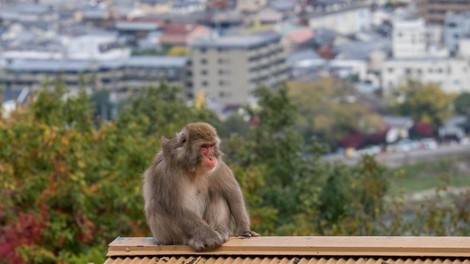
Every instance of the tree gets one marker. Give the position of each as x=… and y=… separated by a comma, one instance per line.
x=462, y=104
x=73, y=185
x=285, y=165
x=329, y=110
x=425, y=103
x=161, y=109
x=68, y=187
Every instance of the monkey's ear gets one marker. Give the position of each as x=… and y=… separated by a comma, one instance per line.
x=182, y=137
x=163, y=140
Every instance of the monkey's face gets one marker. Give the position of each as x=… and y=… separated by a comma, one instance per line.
x=209, y=159
x=195, y=148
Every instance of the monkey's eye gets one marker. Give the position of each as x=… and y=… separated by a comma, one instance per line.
x=204, y=146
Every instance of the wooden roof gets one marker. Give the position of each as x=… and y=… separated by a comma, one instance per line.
x=300, y=250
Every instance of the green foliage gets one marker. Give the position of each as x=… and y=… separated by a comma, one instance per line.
x=161, y=110
x=462, y=104
x=84, y=181
x=351, y=201
x=425, y=103
x=69, y=186
x=328, y=109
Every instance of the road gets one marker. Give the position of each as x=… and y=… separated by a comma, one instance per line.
x=401, y=158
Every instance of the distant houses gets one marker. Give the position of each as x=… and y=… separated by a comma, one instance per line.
x=224, y=49
x=416, y=57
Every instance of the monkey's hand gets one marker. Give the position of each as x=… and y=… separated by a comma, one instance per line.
x=205, y=239
x=248, y=233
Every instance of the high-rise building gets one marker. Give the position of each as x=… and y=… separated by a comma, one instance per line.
x=229, y=68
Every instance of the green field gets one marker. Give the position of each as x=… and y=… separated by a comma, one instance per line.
x=451, y=172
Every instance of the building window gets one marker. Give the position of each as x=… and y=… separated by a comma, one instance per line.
x=222, y=94
x=224, y=72
x=222, y=61
x=205, y=83
x=203, y=50
x=408, y=71
x=390, y=70
x=452, y=25
x=204, y=72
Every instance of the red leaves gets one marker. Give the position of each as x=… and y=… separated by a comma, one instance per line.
x=86, y=228
x=26, y=230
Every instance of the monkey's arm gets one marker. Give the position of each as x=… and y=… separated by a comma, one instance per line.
x=189, y=221
x=178, y=222
x=233, y=194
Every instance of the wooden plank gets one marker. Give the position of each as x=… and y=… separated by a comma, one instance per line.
x=305, y=246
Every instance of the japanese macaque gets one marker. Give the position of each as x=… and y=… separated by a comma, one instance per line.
x=191, y=196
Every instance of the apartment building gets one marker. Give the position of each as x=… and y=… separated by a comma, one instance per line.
x=434, y=11
x=121, y=76
x=229, y=68
x=452, y=75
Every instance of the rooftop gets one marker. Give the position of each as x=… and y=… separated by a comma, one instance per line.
x=237, y=41
x=64, y=65
x=156, y=61
x=305, y=249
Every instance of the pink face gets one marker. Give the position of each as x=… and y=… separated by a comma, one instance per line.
x=209, y=161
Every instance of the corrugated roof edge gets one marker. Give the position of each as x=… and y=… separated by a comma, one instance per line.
x=458, y=247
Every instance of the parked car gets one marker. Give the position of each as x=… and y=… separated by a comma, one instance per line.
x=428, y=143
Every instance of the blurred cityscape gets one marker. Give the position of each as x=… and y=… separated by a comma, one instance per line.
x=220, y=51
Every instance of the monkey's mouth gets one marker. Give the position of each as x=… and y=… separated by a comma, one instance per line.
x=209, y=161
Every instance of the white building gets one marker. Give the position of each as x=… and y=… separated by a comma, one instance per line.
x=98, y=47
x=412, y=39
x=409, y=38
x=456, y=28
x=452, y=75
x=250, y=6
x=415, y=59
x=95, y=47
x=345, y=21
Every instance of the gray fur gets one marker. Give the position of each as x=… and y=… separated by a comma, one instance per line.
x=187, y=204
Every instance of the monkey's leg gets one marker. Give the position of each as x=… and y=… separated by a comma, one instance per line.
x=164, y=232
x=218, y=216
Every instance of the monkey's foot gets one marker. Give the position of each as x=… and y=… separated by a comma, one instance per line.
x=209, y=244
x=224, y=234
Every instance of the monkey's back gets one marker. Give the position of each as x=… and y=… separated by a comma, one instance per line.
x=162, y=202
